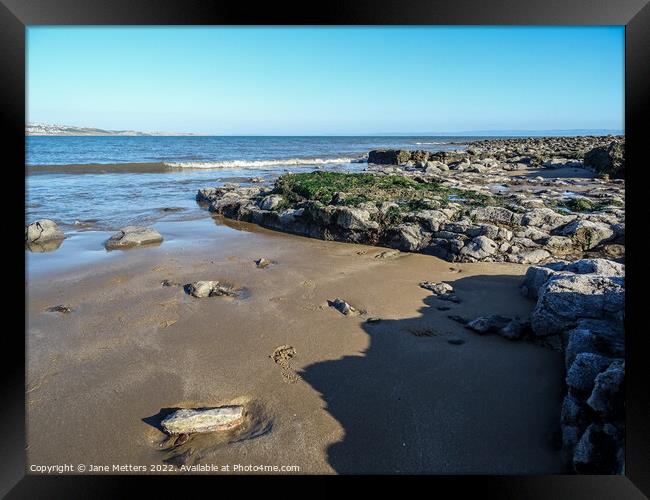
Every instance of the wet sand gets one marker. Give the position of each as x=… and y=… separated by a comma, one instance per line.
x=357, y=397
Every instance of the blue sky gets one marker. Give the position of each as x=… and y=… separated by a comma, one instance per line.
x=327, y=80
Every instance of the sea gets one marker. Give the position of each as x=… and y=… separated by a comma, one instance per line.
x=103, y=183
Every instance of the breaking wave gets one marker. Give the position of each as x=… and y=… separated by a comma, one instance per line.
x=260, y=163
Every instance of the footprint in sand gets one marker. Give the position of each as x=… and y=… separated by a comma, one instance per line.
x=281, y=357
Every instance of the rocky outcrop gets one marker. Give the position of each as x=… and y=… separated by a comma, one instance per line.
x=453, y=232
x=581, y=306
x=607, y=160
x=463, y=205
x=132, y=236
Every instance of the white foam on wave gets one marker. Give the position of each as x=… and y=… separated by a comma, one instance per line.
x=259, y=163
x=426, y=143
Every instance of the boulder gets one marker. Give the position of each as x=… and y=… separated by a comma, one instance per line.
x=607, y=160
x=355, y=219
x=587, y=234
x=271, y=202
x=389, y=156
x=573, y=411
x=608, y=395
x=599, y=450
x=409, y=237
x=42, y=231
x=596, y=337
x=583, y=371
x=132, y=236
x=478, y=248
x=188, y=421
x=495, y=215
x=545, y=218
x=564, y=299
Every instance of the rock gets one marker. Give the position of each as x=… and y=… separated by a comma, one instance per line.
x=545, y=218
x=608, y=396
x=60, y=309
x=607, y=160
x=355, y=219
x=262, y=263
x=599, y=450
x=582, y=374
x=488, y=324
x=596, y=337
x=343, y=307
x=42, y=231
x=564, y=299
x=169, y=283
x=437, y=288
x=388, y=254
x=271, y=202
x=531, y=256
x=132, y=236
x=587, y=234
x=495, y=215
x=514, y=330
x=389, y=156
x=535, y=277
x=188, y=421
x=409, y=237
x=202, y=289
x=573, y=412
x=479, y=248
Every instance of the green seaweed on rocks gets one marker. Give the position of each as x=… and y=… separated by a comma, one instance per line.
x=353, y=189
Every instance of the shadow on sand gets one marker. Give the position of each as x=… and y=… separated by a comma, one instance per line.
x=414, y=403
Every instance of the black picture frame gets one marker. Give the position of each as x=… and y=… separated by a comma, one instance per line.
x=15, y=15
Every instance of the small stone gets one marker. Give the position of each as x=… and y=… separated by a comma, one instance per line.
x=169, y=283
x=342, y=306
x=437, y=288
x=201, y=289
x=488, y=324
x=262, y=263
x=188, y=421
x=60, y=309
x=388, y=254
x=373, y=320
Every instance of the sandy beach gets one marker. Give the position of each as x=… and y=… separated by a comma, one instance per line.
x=392, y=396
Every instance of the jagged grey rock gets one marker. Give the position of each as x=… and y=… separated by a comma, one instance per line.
x=608, y=396
x=479, y=247
x=564, y=299
x=582, y=374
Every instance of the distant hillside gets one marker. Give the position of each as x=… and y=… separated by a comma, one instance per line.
x=51, y=129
